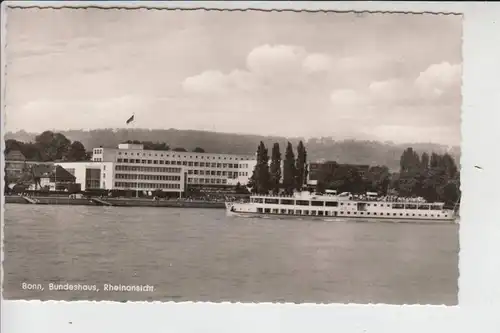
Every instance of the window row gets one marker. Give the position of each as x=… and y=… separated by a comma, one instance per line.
x=146, y=177
x=183, y=163
x=147, y=169
x=228, y=174
x=392, y=214
x=158, y=186
x=207, y=157
x=334, y=213
x=207, y=181
x=315, y=203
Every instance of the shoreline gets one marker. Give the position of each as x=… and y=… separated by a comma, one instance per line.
x=114, y=202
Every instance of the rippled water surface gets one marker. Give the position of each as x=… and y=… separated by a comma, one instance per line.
x=202, y=255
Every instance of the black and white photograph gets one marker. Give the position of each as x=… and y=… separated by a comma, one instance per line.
x=232, y=156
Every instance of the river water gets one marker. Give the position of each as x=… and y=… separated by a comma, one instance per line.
x=202, y=255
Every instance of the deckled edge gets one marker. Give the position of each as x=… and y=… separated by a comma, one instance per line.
x=208, y=6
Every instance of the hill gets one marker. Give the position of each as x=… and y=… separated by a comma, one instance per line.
x=345, y=151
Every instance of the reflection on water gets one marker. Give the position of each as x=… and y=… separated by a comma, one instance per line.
x=202, y=255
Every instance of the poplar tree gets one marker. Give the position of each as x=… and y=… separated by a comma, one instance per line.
x=300, y=176
x=289, y=170
x=275, y=169
x=260, y=180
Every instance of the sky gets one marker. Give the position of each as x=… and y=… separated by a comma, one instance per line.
x=372, y=76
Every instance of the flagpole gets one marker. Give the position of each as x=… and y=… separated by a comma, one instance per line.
x=138, y=168
x=132, y=120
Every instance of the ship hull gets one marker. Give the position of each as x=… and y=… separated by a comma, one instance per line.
x=250, y=211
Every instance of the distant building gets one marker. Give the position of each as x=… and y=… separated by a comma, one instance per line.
x=131, y=167
x=244, y=173
x=52, y=178
x=15, y=164
x=91, y=175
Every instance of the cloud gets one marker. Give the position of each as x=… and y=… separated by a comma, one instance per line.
x=317, y=62
x=266, y=66
x=268, y=60
x=440, y=80
x=349, y=93
x=345, y=97
x=207, y=82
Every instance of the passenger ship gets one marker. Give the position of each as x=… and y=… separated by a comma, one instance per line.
x=345, y=205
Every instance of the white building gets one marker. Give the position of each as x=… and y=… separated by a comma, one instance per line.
x=245, y=171
x=91, y=175
x=131, y=167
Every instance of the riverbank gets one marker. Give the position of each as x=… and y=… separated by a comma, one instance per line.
x=119, y=202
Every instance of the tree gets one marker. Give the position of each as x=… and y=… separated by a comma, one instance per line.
x=198, y=150
x=449, y=166
x=53, y=146
x=409, y=161
x=347, y=178
x=180, y=149
x=378, y=179
x=424, y=161
x=300, y=179
x=289, y=170
x=260, y=180
x=76, y=152
x=275, y=169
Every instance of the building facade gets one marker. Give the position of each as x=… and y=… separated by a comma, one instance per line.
x=131, y=167
x=91, y=175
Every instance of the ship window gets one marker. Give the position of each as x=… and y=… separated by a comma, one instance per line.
x=368, y=204
x=320, y=213
x=317, y=203
x=367, y=213
x=398, y=206
x=361, y=213
x=349, y=213
x=394, y=214
x=305, y=212
x=290, y=212
x=374, y=213
x=407, y=214
x=425, y=214
x=259, y=210
x=341, y=203
x=423, y=207
x=283, y=211
x=436, y=207
x=355, y=213
x=298, y=212
x=286, y=202
x=412, y=214
x=267, y=210
x=331, y=204
x=302, y=203
x=375, y=205
x=258, y=200
x=275, y=211
x=432, y=215
x=401, y=214
x=271, y=201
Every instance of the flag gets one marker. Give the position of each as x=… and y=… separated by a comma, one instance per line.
x=131, y=119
